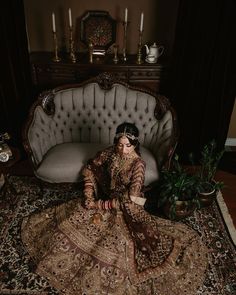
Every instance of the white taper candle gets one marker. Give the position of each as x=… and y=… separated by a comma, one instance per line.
x=70, y=18
x=53, y=23
x=141, y=22
x=126, y=15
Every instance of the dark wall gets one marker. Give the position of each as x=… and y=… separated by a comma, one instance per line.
x=15, y=84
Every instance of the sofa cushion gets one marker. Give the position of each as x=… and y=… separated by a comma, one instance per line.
x=63, y=162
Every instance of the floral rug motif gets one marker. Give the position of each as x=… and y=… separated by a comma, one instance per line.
x=23, y=196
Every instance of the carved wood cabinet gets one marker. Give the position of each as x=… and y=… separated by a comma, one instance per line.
x=47, y=74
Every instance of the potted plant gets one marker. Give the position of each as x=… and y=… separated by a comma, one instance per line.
x=205, y=172
x=177, y=192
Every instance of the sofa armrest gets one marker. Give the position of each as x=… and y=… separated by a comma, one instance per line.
x=163, y=138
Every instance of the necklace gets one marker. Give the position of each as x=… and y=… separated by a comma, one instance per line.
x=120, y=163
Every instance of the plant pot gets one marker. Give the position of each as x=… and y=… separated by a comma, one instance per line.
x=207, y=194
x=179, y=209
x=206, y=198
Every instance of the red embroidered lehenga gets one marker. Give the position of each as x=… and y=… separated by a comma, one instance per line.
x=123, y=251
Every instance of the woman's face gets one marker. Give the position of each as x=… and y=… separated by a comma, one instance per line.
x=124, y=147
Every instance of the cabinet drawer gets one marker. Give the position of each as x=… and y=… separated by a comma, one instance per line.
x=144, y=74
x=43, y=73
x=48, y=74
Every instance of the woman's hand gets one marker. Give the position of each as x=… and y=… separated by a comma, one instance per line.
x=89, y=204
x=107, y=205
x=102, y=205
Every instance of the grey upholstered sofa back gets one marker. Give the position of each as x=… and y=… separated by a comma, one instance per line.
x=91, y=114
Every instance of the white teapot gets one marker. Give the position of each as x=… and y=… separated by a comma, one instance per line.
x=153, y=52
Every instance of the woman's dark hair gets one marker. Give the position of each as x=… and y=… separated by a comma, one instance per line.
x=130, y=131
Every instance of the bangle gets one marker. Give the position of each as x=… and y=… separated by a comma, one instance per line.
x=99, y=204
x=106, y=205
x=114, y=204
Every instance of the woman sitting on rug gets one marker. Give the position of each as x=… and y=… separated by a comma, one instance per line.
x=109, y=244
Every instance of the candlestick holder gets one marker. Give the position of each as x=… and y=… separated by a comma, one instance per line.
x=125, y=25
x=90, y=52
x=56, y=58
x=72, y=49
x=139, y=54
x=115, y=58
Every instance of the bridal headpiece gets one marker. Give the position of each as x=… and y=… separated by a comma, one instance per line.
x=126, y=134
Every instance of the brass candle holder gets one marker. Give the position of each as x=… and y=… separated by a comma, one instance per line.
x=125, y=25
x=90, y=46
x=115, y=58
x=56, y=58
x=139, y=54
x=71, y=43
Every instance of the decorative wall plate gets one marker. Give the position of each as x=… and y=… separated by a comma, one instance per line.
x=99, y=28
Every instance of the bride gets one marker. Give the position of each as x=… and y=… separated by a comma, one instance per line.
x=106, y=243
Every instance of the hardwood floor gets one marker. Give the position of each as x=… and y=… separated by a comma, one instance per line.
x=228, y=192
x=227, y=174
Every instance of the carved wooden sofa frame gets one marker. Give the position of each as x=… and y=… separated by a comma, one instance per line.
x=67, y=125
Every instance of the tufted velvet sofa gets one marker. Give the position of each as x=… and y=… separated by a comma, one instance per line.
x=68, y=125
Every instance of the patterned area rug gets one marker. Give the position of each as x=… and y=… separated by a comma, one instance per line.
x=24, y=196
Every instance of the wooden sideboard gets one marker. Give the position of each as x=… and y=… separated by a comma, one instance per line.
x=48, y=74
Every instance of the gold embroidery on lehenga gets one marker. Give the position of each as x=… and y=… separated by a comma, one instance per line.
x=118, y=252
